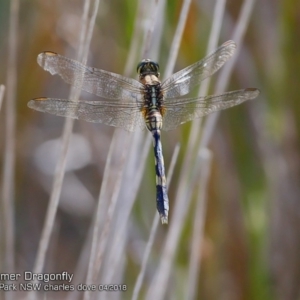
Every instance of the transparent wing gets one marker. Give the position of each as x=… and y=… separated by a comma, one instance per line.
x=185, y=80
x=99, y=82
x=112, y=113
x=180, y=111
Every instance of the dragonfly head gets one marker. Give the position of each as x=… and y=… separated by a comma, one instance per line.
x=147, y=67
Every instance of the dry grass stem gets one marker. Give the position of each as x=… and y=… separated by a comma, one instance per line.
x=177, y=38
x=132, y=178
x=136, y=38
x=2, y=90
x=112, y=175
x=238, y=35
x=8, y=185
x=198, y=226
x=155, y=13
x=218, y=17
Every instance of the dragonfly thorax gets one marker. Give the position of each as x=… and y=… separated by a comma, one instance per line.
x=147, y=67
x=153, y=108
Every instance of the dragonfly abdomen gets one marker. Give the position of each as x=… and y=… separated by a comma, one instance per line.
x=153, y=120
x=162, y=201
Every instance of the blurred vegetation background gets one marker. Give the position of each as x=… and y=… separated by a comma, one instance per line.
x=251, y=243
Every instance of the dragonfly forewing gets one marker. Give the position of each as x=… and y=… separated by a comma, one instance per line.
x=99, y=82
x=182, y=82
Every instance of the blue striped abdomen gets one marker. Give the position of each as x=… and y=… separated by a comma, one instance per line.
x=162, y=200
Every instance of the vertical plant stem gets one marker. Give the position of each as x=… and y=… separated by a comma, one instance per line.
x=198, y=227
x=149, y=33
x=2, y=90
x=100, y=237
x=212, y=44
x=8, y=185
x=136, y=36
x=131, y=182
x=238, y=36
x=177, y=38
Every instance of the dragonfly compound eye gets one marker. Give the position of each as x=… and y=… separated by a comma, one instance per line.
x=147, y=66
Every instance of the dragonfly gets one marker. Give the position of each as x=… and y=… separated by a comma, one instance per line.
x=145, y=103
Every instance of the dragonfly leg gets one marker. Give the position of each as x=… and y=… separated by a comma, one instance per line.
x=162, y=200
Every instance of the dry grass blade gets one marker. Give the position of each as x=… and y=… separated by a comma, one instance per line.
x=227, y=70
x=212, y=44
x=131, y=181
x=198, y=226
x=2, y=90
x=8, y=184
x=137, y=33
x=149, y=33
x=81, y=267
x=177, y=38
x=101, y=233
